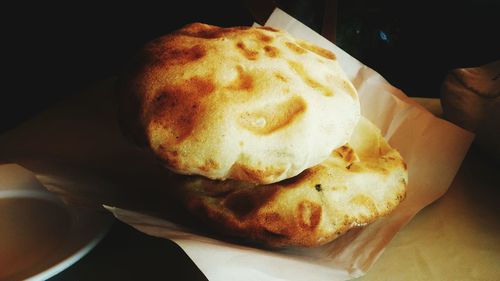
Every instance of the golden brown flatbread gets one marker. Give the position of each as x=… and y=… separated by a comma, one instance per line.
x=356, y=184
x=243, y=103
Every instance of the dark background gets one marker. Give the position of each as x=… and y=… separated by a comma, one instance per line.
x=51, y=51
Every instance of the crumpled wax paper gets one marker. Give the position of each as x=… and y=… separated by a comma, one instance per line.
x=76, y=150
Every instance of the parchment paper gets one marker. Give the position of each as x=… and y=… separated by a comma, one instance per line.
x=76, y=150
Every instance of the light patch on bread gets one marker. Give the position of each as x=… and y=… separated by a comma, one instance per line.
x=271, y=118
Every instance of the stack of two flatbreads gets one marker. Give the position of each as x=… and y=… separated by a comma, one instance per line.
x=262, y=133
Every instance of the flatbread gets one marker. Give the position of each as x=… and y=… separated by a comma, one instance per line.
x=359, y=182
x=243, y=103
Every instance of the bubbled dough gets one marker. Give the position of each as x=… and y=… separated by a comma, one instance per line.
x=251, y=104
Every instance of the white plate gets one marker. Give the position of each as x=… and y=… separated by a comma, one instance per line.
x=40, y=235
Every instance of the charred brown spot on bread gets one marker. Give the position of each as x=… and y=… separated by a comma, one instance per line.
x=208, y=34
x=246, y=52
x=295, y=48
x=176, y=108
x=240, y=205
x=244, y=80
x=163, y=57
x=268, y=28
x=274, y=117
x=318, y=50
x=192, y=54
x=309, y=214
x=264, y=37
x=299, y=69
x=245, y=201
x=347, y=154
x=280, y=77
x=245, y=173
x=271, y=51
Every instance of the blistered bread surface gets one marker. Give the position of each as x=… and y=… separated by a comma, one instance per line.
x=250, y=104
x=358, y=183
